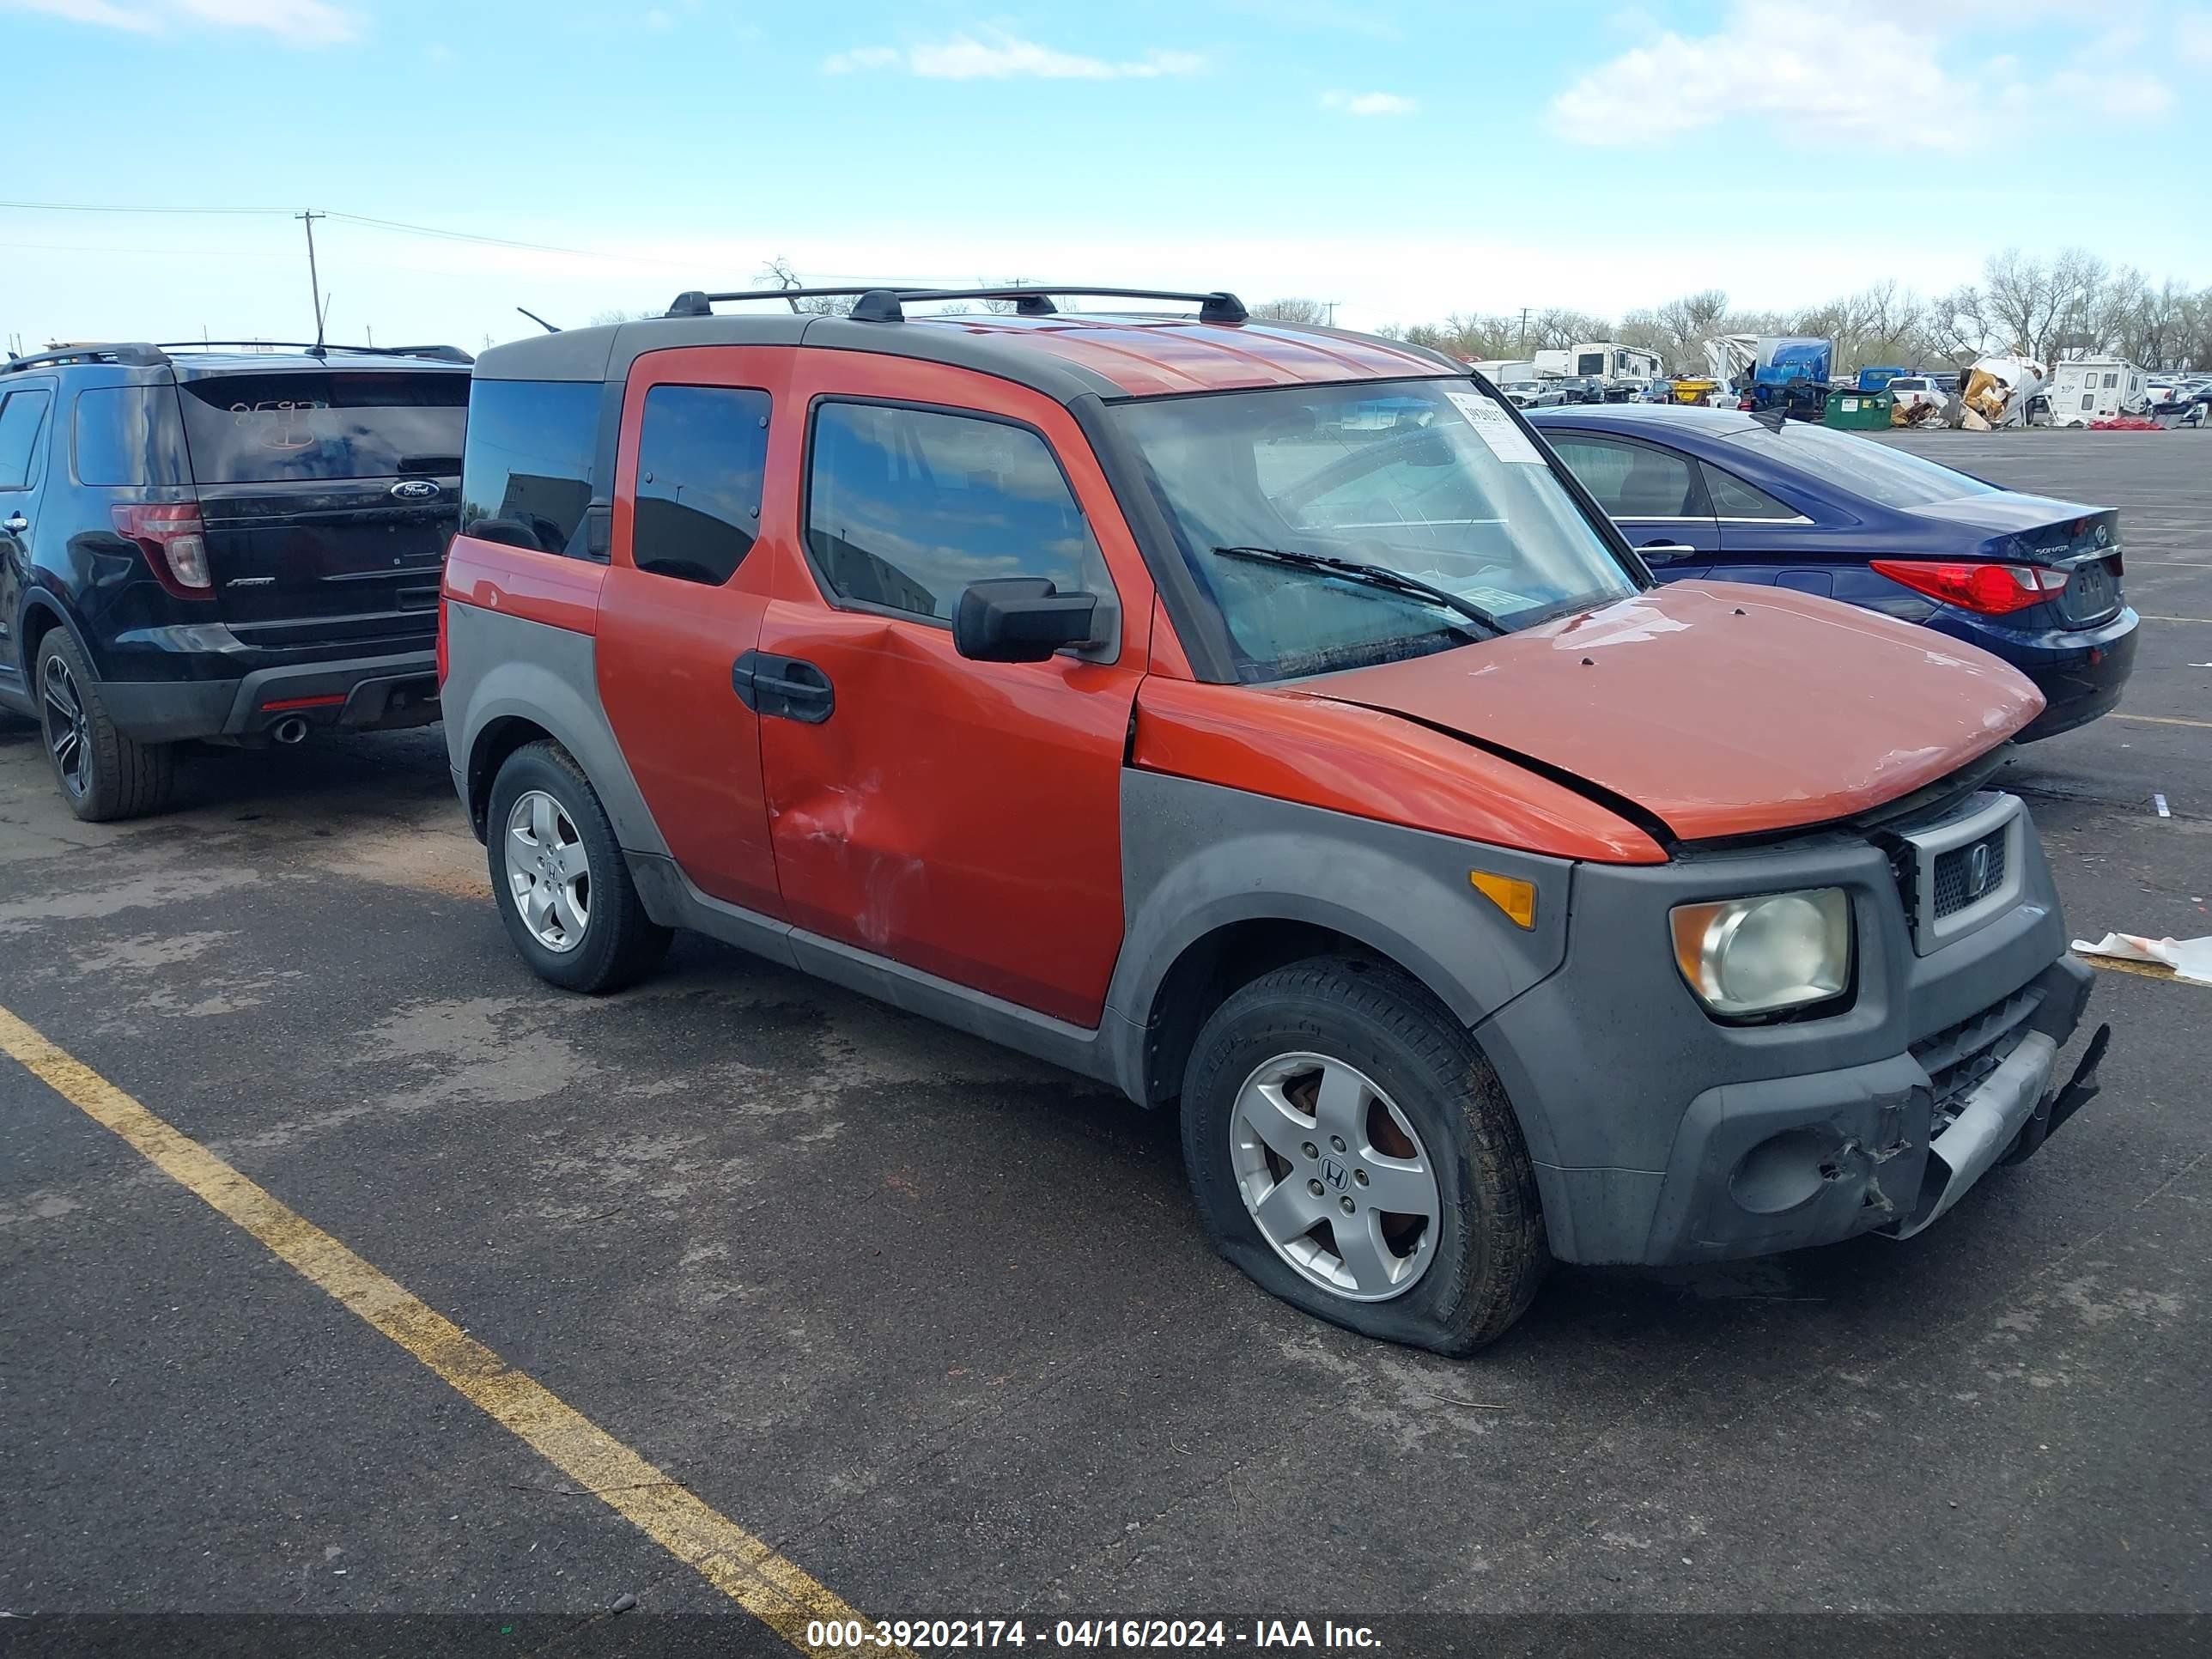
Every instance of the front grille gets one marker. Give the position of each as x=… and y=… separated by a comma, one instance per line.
x=1958, y=870
x=1965, y=873
x=1959, y=1057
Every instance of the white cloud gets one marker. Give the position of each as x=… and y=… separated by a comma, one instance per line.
x=1855, y=72
x=1841, y=71
x=300, y=22
x=1370, y=103
x=2193, y=34
x=996, y=55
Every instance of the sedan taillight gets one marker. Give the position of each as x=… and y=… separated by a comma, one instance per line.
x=175, y=542
x=1992, y=590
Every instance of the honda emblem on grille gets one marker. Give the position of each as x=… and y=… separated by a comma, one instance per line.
x=1978, y=869
x=415, y=489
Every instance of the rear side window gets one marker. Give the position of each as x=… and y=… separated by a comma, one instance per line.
x=1633, y=480
x=702, y=451
x=1732, y=498
x=906, y=506
x=130, y=434
x=21, y=417
x=529, y=473
x=279, y=427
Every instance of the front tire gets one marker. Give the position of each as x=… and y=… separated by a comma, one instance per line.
x=1353, y=1151
x=103, y=773
x=559, y=877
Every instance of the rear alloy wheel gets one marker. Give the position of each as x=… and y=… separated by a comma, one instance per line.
x=549, y=872
x=559, y=877
x=1351, y=1149
x=103, y=773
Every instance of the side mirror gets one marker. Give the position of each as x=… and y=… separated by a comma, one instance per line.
x=1020, y=619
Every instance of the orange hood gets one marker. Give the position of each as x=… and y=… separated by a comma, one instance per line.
x=1723, y=709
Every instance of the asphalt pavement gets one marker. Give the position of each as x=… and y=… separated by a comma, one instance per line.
x=937, y=1324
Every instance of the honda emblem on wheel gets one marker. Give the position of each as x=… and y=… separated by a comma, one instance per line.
x=1334, y=1172
x=414, y=489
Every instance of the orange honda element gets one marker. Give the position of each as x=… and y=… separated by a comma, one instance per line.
x=1258, y=718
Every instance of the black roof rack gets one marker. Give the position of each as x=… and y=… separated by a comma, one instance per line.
x=443, y=354
x=879, y=304
x=136, y=354
x=139, y=354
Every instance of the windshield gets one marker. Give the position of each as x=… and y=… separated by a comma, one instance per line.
x=1430, y=478
x=269, y=427
x=1861, y=465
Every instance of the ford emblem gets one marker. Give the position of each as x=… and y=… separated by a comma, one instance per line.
x=415, y=489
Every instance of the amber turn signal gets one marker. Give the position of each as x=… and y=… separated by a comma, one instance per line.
x=1517, y=898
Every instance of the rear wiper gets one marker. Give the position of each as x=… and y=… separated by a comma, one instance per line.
x=1374, y=575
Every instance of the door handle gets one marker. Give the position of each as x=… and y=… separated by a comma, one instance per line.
x=783, y=688
x=1665, y=552
x=15, y=523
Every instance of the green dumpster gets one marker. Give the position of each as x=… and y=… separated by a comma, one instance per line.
x=1859, y=412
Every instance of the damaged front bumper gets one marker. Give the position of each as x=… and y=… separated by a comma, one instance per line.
x=1885, y=1148
x=1660, y=1135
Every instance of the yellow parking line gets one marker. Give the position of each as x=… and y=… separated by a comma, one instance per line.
x=777, y=1592
x=2162, y=720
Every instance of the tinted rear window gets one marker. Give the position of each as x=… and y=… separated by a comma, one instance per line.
x=271, y=428
x=529, y=471
x=130, y=434
x=1861, y=465
x=702, y=451
x=21, y=414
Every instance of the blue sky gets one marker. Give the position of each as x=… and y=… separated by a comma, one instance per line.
x=1404, y=159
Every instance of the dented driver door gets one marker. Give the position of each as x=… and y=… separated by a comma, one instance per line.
x=963, y=818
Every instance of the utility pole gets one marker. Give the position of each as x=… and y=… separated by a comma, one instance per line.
x=314, y=281
x=1525, y=330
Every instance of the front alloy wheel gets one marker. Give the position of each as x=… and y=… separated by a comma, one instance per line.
x=547, y=870
x=1334, y=1176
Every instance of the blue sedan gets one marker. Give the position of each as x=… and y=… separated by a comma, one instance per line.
x=1716, y=494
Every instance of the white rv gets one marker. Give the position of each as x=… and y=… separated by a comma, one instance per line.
x=2087, y=389
x=1611, y=362
x=1499, y=370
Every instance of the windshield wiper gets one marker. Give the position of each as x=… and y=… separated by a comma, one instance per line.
x=1374, y=575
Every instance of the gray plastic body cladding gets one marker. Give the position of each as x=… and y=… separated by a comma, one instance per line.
x=1622, y=1062
x=1197, y=857
x=498, y=666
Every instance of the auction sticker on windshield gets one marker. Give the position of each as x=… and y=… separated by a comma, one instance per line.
x=1507, y=442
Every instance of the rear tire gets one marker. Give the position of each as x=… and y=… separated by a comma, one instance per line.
x=1394, y=1112
x=103, y=773
x=559, y=877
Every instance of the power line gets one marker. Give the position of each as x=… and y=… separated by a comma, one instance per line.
x=440, y=233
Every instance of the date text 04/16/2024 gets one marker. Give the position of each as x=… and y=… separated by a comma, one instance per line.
x=920, y=1635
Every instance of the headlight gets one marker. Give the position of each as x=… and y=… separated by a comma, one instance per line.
x=1758, y=956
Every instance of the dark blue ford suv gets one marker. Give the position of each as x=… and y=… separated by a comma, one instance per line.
x=241, y=544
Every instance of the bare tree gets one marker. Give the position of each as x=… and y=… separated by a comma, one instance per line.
x=778, y=273
x=616, y=314
x=1291, y=311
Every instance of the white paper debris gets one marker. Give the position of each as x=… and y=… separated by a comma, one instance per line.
x=1495, y=427
x=2190, y=959
x=2159, y=801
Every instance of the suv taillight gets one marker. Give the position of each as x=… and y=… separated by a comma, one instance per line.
x=175, y=542
x=1990, y=589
